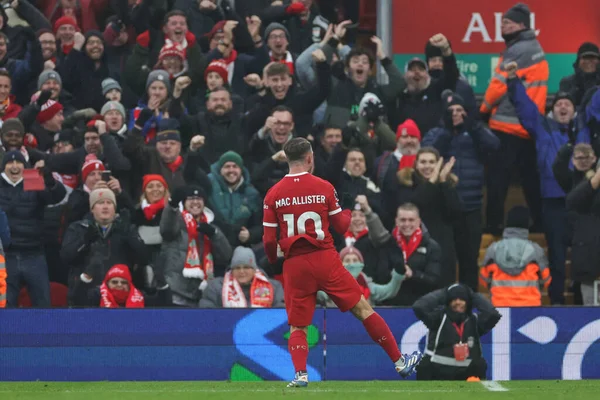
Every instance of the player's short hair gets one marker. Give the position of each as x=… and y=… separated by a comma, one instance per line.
x=5, y=73
x=174, y=13
x=295, y=149
x=277, y=69
x=409, y=207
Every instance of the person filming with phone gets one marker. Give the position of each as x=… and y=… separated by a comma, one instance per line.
x=23, y=195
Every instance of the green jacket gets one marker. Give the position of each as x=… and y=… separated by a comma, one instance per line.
x=237, y=208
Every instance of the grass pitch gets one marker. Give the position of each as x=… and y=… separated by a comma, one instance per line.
x=380, y=390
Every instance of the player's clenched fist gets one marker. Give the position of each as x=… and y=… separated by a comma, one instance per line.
x=279, y=156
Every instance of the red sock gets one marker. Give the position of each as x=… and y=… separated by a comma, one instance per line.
x=298, y=347
x=381, y=334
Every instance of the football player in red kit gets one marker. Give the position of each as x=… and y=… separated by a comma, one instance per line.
x=302, y=206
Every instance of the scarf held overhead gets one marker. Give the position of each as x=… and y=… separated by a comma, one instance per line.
x=193, y=267
x=408, y=245
x=261, y=292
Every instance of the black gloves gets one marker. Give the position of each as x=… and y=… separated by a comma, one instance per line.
x=347, y=202
x=207, y=229
x=44, y=97
x=144, y=116
x=48, y=178
x=177, y=197
x=373, y=111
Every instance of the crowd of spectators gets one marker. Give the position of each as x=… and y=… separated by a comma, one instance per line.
x=139, y=137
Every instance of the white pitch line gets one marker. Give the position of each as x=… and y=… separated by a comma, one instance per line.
x=493, y=386
x=274, y=390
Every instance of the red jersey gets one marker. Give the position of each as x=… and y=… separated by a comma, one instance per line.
x=301, y=206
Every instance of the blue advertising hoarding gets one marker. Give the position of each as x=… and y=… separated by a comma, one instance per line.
x=246, y=344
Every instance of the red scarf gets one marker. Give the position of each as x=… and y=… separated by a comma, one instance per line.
x=351, y=238
x=111, y=298
x=192, y=267
x=232, y=57
x=66, y=49
x=364, y=286
x=409, y=245
x=261, y=292
x=407, y=161
x=150, y=210
x=288, y=60
x=173, y=166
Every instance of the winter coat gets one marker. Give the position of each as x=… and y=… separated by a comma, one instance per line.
x=433, y=311
x=301, y=103
x=221, y=133
x=121, y=244
x=174, y=251
x=20, y=36
x=578, y=84
x=425, y=107
x=527, y=52
x=470, y=149
x=439, y=207
x=300, y=31
x=265, y=171
x=344, y=183
x=22, y=71
x=343, y=102
x=212, y=296
x=84, y=80
x=548, y=135
x=393, y=194
x=425, y=263
x=585, y=245
x=78, y=205
x=235, y=208
x=25, y=212
x=146, y=160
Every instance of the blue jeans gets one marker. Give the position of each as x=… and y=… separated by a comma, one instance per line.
x=554, y=216
x=32, y=270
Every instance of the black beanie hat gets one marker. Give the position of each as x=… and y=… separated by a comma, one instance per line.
x=518, y=217
x=194, y=191
x=519, y=13
x=561, y=96
x=453, y=99
x=458, y=291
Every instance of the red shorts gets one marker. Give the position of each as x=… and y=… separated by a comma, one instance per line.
x=306, y=274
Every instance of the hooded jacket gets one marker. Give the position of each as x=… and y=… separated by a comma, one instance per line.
x=548, y=134
x=516, y=270
x=83, y=79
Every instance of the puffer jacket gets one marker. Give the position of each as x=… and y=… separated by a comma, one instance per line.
x=585, y=247
x=527, y=52
x=25, y=212
x=548, y=134
x=237, y=208
x=470, y=150
x=186, y=291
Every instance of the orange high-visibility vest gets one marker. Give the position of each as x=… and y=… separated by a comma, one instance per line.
x=533, y=72
x=523, y=290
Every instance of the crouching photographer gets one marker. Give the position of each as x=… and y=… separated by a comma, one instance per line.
x=453, y=346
